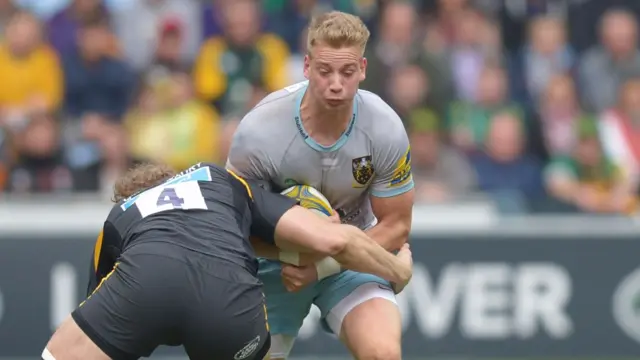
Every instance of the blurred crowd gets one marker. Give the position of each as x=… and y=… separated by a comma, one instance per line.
x=535, y=103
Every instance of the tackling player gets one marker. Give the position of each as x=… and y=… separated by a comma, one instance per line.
x=173, y=265
x=352, y=147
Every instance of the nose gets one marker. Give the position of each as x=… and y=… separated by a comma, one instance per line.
x=336, y=84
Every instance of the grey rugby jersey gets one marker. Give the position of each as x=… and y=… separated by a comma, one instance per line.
x=372, y=157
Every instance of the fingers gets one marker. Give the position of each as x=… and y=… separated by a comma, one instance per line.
x=291, y=271
x=335, y=217
x=292, y=285
x=291, y=278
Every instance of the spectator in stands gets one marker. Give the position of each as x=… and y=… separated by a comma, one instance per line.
x=558, y=113
x=503, y=169
x=167, y=58
x=444, y=24
x=288, y=19
x=170, y=41
x=63, y=27
x=295, y=64
x=603, y=67
x=468, y=122
x=243, y=61
x=96, y=82
x=408, y=89
x=587, y=179
x=7, y=9
x=440, y=172
x=101, y=175
x=5, y=157
x=29, y=70
x=211, y=19
x=395, y=48
x=170, y=125
x=619, y=130
x=137, y=25
x=475, y=46
x=545, y=55
x=39, y=165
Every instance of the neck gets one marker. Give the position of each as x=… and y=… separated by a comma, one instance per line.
x=324, y=125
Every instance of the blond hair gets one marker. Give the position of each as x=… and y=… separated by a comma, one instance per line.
x=337, y=29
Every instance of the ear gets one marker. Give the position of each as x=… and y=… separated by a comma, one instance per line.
x=307, y=66
x=363, y=68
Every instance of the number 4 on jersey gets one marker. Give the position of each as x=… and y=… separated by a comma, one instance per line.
x=182, y=196
x=169, y=196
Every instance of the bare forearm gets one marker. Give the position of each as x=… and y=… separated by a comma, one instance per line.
x=390, y=236
x=272, y=252
x=362, y=254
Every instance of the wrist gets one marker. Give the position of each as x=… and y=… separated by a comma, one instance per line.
x=327, y=267
x=289, y=257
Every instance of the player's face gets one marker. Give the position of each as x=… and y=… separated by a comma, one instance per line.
x=334, y=74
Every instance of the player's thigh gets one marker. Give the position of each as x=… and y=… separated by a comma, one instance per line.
x=372, y=330
x=228, y=323
x=69, y=342
x=352, y=305
x=135, y=308
x=286, y=310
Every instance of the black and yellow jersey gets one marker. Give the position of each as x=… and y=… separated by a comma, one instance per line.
x=205, y=209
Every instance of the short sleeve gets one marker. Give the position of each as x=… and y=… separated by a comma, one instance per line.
x=266, y=207
x=266, y=210
x=247, y=157
x=392, y=164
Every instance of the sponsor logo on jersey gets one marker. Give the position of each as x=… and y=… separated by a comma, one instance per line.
x=362, y=170
x=626, y=305
x=301, y=130
x=402, y=173
x=248, y=349
x=348, y=216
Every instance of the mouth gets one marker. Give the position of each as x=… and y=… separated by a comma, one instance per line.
x=335, y=101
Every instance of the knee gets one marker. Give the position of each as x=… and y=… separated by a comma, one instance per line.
x=381, y=352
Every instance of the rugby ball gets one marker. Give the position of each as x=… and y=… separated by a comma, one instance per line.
x=310, y=198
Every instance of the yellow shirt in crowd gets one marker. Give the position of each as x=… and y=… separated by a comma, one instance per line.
x=210, y=79
x=36, y=76
x=179, y=137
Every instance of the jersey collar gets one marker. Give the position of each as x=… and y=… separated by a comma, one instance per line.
x=312, y=143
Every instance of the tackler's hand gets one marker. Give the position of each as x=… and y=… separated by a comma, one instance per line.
x=335, y=217
x=297, y=277
x=406, y=257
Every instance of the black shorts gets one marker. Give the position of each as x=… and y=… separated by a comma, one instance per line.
x=213, y=308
